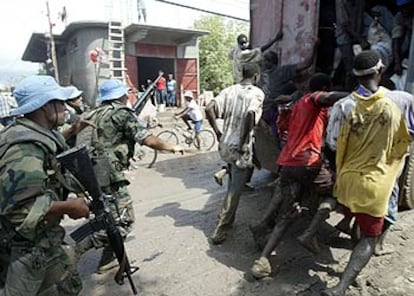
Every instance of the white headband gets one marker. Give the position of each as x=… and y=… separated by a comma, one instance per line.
x=369, y=71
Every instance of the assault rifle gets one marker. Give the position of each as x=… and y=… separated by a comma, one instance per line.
x=142, y=100
x=78, y=162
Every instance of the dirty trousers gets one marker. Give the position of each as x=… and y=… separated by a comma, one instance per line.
x=237, y=179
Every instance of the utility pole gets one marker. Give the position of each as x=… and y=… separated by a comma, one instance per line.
x=52, y=43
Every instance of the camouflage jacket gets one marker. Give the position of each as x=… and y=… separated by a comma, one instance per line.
x=30, y=180
x=118, y=129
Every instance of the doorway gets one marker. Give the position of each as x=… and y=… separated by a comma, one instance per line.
x=148, y=68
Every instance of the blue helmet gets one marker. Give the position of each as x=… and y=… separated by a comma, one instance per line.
x=404, y=2
x=74, y=92
x=36, y=91
x=112, y=89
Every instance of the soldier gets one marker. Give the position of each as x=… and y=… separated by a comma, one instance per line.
x=74, y=106
x=34, y=192
x=118, y=130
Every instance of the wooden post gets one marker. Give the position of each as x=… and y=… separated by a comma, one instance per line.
x=409, y=83
x=52, y=43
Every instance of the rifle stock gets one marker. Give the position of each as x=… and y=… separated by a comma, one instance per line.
x=78, y=162
x=145, y=96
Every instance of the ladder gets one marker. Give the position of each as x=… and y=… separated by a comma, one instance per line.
x=116, y=50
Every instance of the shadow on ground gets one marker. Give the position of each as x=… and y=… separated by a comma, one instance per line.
x=296, y=270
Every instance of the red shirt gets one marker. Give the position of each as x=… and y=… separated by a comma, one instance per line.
x=161, y=84
x=305, y=133
x=282, y=121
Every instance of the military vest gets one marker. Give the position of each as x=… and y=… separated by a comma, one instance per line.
x=24, y=132
x=113, y=139
x=101, y=150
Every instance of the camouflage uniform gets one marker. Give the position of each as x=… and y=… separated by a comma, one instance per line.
x=30, y=181
x=118, y=129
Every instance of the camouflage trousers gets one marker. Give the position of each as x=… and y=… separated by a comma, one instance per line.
x=120, y=203
x=126, y=209
x=38, y=271
x=121, y=207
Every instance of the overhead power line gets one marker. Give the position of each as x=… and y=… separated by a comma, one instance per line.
x=203, y=10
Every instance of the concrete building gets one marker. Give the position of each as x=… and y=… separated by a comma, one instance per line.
x=147, y=50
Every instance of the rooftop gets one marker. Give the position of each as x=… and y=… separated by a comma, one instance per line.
x=36, y=49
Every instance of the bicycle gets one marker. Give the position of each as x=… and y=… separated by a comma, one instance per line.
x=207, y=137
x=144, y=155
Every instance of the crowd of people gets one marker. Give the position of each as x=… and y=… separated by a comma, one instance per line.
x=341, y=150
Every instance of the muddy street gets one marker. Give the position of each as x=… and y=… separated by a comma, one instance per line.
x=176, y=207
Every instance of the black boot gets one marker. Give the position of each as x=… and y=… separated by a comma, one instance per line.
x=107, y=261
x=361, y=254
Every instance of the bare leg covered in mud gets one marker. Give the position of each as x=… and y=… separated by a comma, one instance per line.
x=308, y=238
x=261, y=267
x=381, y=248
x=261, y=230
x=360, y=256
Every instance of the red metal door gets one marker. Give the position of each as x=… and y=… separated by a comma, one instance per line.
x=187, y=76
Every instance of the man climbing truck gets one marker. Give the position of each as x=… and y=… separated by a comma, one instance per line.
x=302, y=25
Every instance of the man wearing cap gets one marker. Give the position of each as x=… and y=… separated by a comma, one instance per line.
x=34, y=194
x=371, y=148
x=192, y=112
x=74, y=107
x=75, y=103
x=118, y=130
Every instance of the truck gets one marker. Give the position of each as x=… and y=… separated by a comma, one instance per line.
x=302, y=23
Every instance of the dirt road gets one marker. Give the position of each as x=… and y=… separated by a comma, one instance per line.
x=176, y=205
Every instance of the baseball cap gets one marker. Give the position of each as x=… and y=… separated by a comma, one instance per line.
x=189, y=94
x=36, y=91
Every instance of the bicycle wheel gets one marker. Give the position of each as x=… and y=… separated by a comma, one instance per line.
x=168, y=137
x=145, y=155
x=207, y=140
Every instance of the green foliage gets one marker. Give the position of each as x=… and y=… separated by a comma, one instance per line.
x=216, y=68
